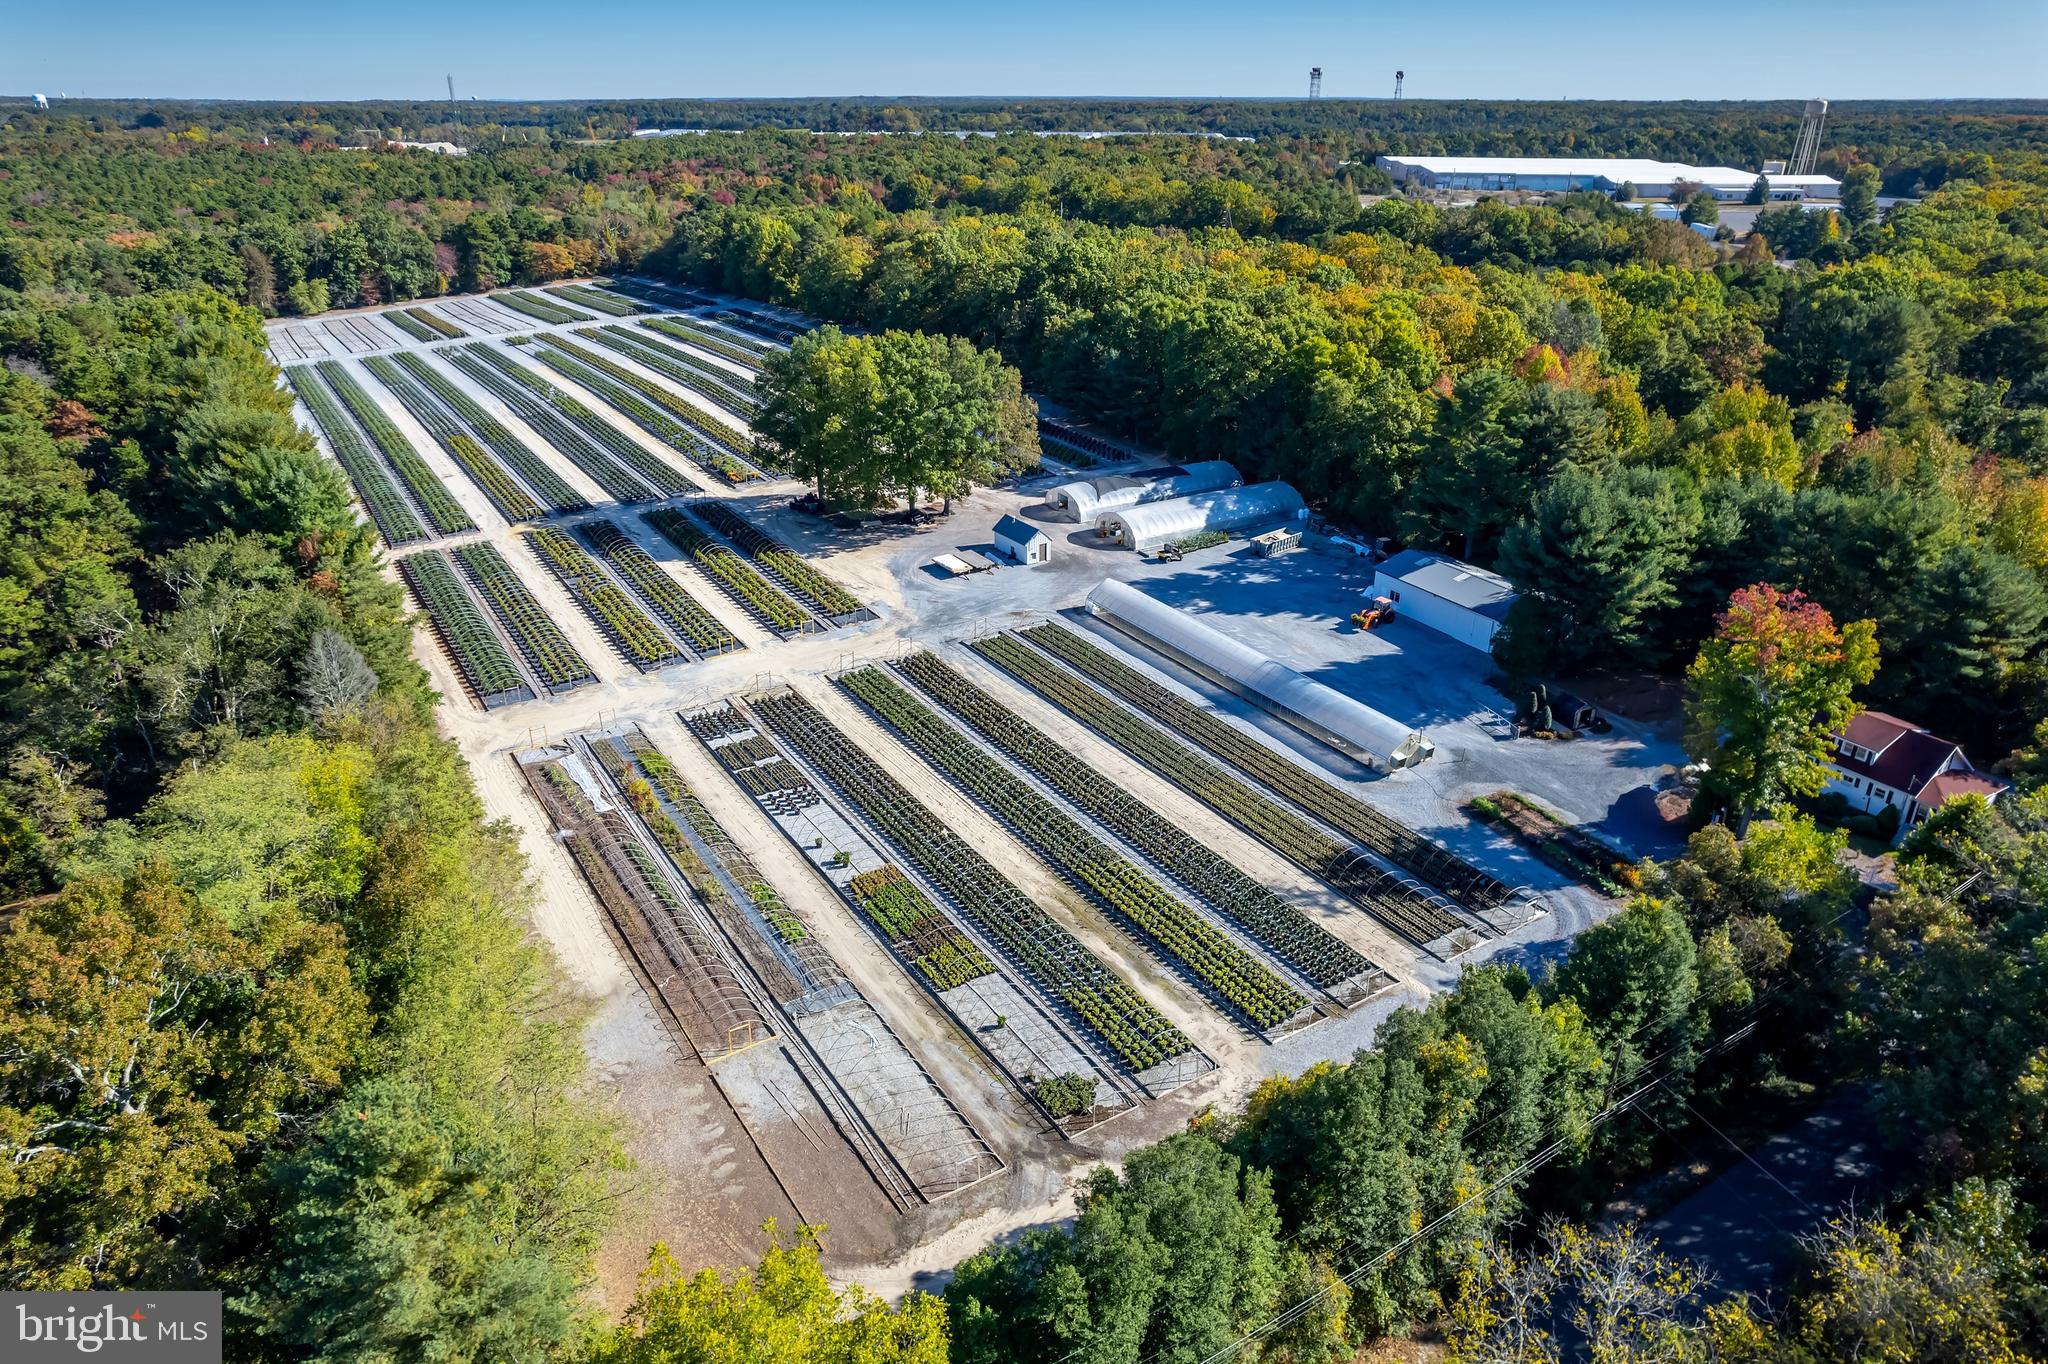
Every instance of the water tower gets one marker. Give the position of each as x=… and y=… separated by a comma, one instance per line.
x=1315, y=82
x=1806, y=149
x=1399, y=76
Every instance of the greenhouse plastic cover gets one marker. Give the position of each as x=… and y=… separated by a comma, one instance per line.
x=1327, y=715
x=1155, y=523
x=1090, y=498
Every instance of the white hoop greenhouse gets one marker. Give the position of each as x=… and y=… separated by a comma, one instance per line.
x=1156, y=523
x=1326, y=715
x=1090, y=498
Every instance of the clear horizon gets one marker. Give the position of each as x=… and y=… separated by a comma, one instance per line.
x=1606, y=50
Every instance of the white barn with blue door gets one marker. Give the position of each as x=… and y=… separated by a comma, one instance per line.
x=1021, y=542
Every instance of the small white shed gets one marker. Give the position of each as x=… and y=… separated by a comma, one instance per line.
x=1018, y=539
x=1457, y=599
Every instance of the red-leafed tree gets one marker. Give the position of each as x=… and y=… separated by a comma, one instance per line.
x=1770, y=688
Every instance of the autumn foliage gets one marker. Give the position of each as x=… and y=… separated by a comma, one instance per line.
x=1770, y=688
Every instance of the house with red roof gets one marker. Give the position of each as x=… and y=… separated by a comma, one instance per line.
x=1881, y=761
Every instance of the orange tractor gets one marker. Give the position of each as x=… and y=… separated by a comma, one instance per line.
x=1380, y=612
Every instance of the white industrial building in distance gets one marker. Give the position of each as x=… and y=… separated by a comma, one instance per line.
x=1152, y=524
x=1560, y=174
x=1089, y=499
x=1328, y=716
x=1449, y=596
x=1019, y=540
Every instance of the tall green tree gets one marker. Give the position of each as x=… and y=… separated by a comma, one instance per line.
x=1635, y=978
x=1859, y=195
x=1172, y=1260
x=1599, y=555
x=900, y=412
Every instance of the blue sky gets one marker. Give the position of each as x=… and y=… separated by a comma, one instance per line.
x=1506, y=49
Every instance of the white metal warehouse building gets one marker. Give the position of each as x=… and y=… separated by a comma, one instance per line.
x=1090, y=499
x=1449, y=596
x=1151, y=524
x=1329, y=716
x=1559, y=174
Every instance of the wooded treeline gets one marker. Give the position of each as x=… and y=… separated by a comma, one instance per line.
x=1628, y=425
x=1703, y=132
x=270, y=1021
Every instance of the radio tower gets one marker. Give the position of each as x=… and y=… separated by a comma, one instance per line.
x=1315, y=82
x=1399, y=76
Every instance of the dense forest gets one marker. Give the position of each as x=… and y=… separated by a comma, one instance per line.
x=1628, y=422
x=333, y=1080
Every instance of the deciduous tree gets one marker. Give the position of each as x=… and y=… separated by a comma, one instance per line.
x=784, y=1312
x=144, y=1049
x=1769, y=689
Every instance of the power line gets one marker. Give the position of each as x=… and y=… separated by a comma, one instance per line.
x=1288, y=1316
x=1527, y=1166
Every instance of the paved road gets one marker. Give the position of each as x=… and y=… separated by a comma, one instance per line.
x=1744, y=1226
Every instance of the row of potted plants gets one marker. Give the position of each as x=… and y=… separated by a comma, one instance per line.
x=1339, y=809
x=1296, y=939
x=375, y=488
x=513, y=502
x=655, y=357
x=788, y=567
x=631, y=395
x=639, y=640
x=552, y=657
x=441, y=509
x=662, y=820
x=693, y=372
x=597, y=300
x=429, y=318
x=1138, y=1034
x=677, y=609
x=410, y=325
x=1407, y=911
x=926, y=937
x=475, y=648
x=704, y=339
x=549, y=487
x=646, y=351
x=1145, y=908
x=755, y=324
x=577, y=434
x=534, y=306
x=762, y=598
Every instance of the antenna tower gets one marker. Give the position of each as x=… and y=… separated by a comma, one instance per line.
x=1806, y=150
x=1315, y=82
x=1399, y=76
